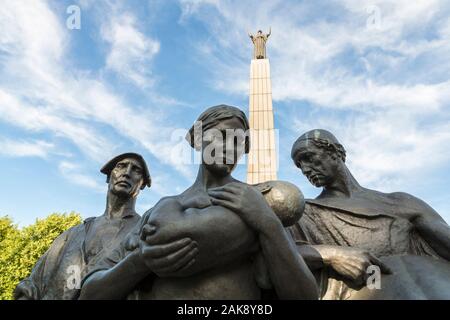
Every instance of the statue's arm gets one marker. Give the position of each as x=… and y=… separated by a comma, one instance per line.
x=288, y=271
x=30, y=287
x=430, y=225
x=349, y=262
x=311, y=255
x=221, y=237
x=315, y=256
x=27, y=290
x=34, y=286
x=132, y=261
x=117, y=282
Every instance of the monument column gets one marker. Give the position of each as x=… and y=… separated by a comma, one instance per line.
x=262, y=159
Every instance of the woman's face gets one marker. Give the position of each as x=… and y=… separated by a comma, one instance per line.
x=223, y=145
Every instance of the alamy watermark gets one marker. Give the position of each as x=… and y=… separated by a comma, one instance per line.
x=228, y=146
x=73, y=281
x=373, y=21
x=373, y=281
x=73, y=21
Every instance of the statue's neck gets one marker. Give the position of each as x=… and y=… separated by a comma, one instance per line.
x=117, y=207
x=343, y=184
x=206, y=179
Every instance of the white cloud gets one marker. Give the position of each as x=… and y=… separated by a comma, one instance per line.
x=23, y=148
x=40, y=119
x=31, y=31
x=391, y=80
x=386, y=151
x=73, y=173
x=131, y=51
x=41, y=92
x=306, y=48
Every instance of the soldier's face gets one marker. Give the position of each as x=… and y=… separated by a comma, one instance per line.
x=223, y=145
x=318, y=166
x=126, y=178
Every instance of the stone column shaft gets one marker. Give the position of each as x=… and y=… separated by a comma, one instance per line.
x=262, y=160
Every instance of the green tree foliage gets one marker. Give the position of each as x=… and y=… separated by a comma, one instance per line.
x=21, y=248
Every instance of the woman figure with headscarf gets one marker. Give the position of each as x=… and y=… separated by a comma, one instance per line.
x=238, y=247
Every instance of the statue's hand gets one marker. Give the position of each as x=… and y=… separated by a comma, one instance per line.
x=352, y=263
x=247, y=202
x=26, y=290
x=166, y=259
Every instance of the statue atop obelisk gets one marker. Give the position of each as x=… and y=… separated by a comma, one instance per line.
x=259, y=40
x=262, y=159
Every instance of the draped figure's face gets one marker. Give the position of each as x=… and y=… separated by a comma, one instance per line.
x=317, y=164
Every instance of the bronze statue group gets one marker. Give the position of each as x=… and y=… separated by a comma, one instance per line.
x=224, y=239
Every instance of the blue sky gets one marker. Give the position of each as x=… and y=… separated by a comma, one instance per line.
x=138, y=73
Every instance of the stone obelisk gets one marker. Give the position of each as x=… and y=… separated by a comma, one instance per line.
x=262, y=158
